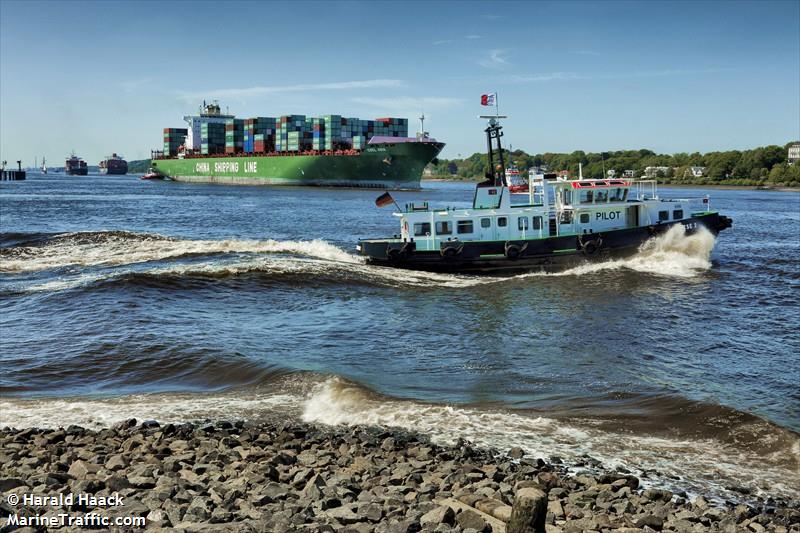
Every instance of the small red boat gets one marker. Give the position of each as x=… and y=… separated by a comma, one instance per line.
x=153, y=175
x=516, y=183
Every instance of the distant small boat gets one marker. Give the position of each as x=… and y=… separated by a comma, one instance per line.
x=153, y=175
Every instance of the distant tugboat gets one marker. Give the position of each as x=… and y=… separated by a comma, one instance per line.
x=114, y=165
x=75, y=166
x=563, y=223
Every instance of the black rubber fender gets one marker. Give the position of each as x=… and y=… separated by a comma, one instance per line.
x=591, y=248
x=514, y=251
x=451, y=252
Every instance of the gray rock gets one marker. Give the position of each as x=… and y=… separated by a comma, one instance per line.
x=516, y=453
x=440, y=515
x=343, y=515
x=657, y=495
x=81, y=469
x=528, y=512
x=469, y=519
x=8, y=483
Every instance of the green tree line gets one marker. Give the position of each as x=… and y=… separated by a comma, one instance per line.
x=765, y=165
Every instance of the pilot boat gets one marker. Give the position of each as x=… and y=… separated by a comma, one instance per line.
x=560, y=222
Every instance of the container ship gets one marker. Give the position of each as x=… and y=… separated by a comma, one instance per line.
x=114, y=165
x=331, y=151
x=75, y=166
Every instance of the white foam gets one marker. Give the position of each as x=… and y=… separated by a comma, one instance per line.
x=708, y=462
x=166, y=408
x=124, y=249
x=673, y=254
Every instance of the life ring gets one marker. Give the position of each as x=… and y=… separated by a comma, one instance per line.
x=513, y=251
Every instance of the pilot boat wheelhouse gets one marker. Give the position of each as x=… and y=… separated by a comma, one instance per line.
x=559, y=222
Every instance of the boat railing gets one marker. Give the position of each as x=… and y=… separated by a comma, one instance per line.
x=705, y=200
x=645, y=189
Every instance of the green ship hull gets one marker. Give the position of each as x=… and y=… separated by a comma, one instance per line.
x=387, y=166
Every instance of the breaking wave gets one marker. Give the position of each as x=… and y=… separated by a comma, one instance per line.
x=771, y=465
x=115, y=248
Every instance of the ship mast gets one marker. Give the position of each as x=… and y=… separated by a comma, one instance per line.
x=497, y=165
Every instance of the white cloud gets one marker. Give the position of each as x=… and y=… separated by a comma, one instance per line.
x=555, y=76
x=550, y=76
x=473, y=36
x=410, y=103
x=443, y=41
x=130, y=86
x=264, y=90
x=497, y=58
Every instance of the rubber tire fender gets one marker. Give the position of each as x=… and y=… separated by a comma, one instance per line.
x=590, y=248
x=513, y=251
x=450, y=252
x=395, y=255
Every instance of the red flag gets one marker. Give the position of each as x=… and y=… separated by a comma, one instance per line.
x=487, y=99
x=384, y=200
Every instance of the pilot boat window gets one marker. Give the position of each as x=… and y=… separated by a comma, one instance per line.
x=584, y=218
x=537, y=222
x=616, y=195
x=663, y=215
x=522, y=223
x=422, y=228
x=444, y=228
x=566, y=197
x=502, y=222
x=601, y=197
x=677, y=214
x=464, y=226
x=586, y=197
x=486, y=222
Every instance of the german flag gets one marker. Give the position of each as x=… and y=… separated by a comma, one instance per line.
x=384, y=200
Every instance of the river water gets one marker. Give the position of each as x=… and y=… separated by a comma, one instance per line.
x=121, y=298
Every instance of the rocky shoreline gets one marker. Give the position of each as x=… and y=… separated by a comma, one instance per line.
x=302, y=477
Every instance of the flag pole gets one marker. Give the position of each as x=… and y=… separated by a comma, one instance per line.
x=496, y=104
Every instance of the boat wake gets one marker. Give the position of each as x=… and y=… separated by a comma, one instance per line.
x=117, y=248
x=673, y=254
x=108, y=258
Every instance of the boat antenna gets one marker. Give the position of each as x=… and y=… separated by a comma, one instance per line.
x=580, y=170
x=603, y=159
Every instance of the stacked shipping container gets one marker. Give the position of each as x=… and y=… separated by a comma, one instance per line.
x=288, y=133
x=212, y=138
x=234, y=136
x=173, y=139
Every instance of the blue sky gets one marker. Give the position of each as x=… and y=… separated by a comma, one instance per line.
x=101, y=77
